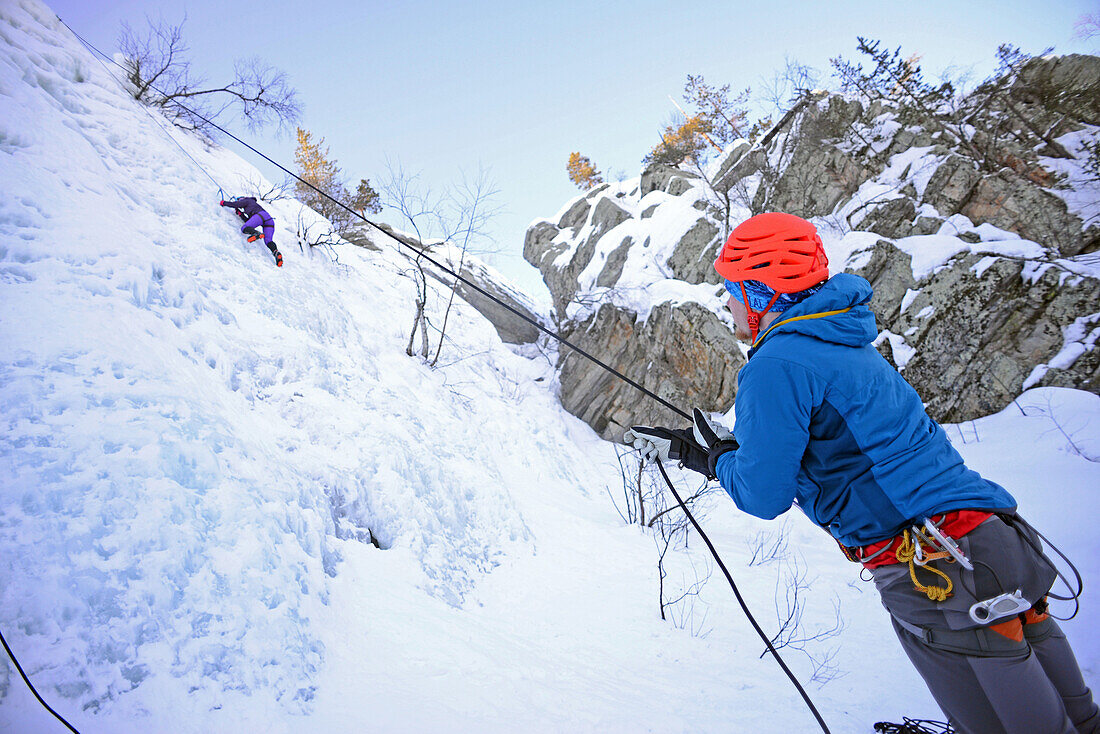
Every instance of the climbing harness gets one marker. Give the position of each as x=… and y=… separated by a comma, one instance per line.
x=1007, y=622
x=919, y=545
x=942, y=529
x=912, y=552
x=424, y=254
x=1001, y=639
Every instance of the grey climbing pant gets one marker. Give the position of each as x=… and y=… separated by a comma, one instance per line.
x=1021, y=679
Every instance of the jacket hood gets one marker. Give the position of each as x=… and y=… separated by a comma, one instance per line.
x=853, y=328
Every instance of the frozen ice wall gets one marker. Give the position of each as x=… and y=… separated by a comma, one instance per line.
x=187, y=431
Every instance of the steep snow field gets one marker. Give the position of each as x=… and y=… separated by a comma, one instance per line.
x=197, y=448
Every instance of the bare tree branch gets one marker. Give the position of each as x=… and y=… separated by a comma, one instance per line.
x=160, y=74
x=471, y=205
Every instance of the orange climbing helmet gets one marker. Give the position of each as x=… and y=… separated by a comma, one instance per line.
x=781, y=251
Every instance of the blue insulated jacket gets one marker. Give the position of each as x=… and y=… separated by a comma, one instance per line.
x=824, y=420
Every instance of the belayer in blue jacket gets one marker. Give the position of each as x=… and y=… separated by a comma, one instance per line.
x=254, y=216
x=825, y=423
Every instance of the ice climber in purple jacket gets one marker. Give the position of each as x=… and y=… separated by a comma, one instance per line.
x=255, y=216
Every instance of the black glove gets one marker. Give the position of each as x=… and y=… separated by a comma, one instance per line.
x=669, y=443
x=714, y=436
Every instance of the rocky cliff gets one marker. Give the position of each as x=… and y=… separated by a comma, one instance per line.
x=982, y=252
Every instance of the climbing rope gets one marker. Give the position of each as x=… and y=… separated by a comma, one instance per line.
x=1075, y=596
x=27, y=680
x=558, y=337
x=741, y=601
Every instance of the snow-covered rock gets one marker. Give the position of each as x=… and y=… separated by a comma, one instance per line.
x=1005, y=259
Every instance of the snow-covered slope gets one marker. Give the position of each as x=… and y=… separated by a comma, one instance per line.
x=197, y=448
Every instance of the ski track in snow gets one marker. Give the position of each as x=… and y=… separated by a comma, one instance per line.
x=197, y=448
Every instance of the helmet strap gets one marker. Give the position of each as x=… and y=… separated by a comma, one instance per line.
x=753, y=316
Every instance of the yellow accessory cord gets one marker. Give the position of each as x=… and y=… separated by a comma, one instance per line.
x=906, y=553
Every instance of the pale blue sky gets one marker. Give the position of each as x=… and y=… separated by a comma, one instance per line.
x=515, y=87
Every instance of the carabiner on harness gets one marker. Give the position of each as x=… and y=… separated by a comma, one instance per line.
x=1005, y=605
x=948, y=544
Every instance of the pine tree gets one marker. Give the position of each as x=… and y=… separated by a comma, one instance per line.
x=315, y=167
x=725, y=118
x=366, y=198
x=582, y=172
x=681, y=142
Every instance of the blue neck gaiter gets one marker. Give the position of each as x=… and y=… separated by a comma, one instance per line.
x=759, y=295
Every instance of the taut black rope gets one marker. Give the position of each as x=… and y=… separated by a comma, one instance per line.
x=27, y=680
x=741, y=601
